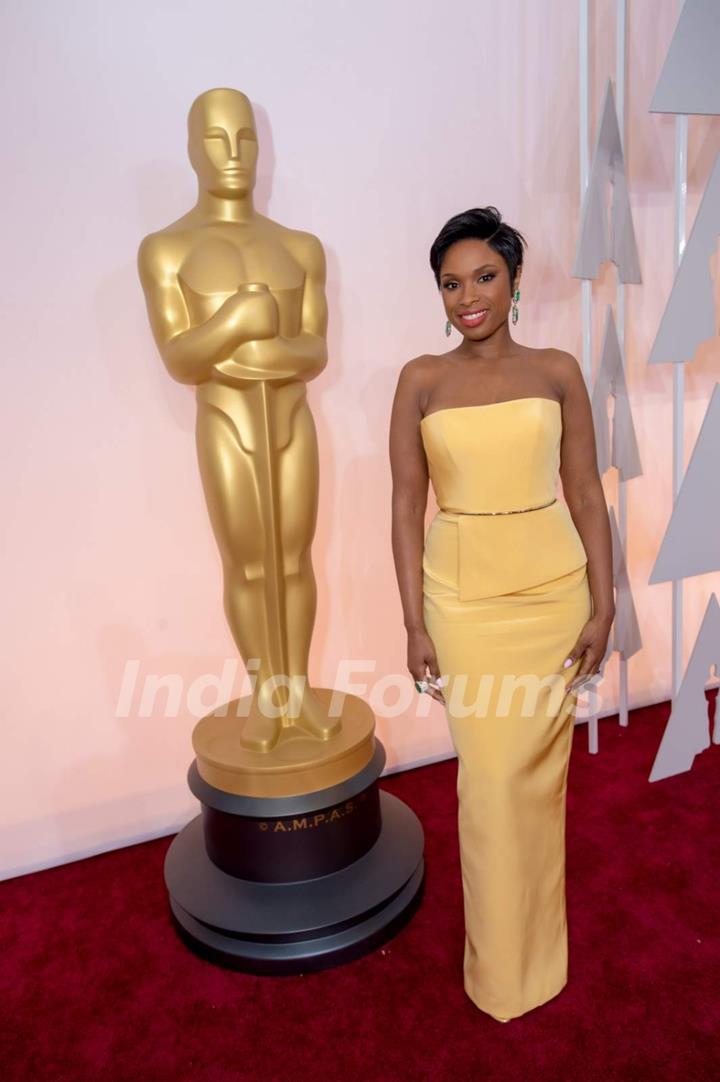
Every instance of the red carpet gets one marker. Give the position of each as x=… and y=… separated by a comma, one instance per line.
x=95, y=984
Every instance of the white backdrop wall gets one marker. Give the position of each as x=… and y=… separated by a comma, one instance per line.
x=377, y=122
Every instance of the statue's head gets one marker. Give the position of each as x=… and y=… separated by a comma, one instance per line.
x=222, y=142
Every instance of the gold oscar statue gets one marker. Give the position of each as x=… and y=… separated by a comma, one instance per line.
x=237, y=307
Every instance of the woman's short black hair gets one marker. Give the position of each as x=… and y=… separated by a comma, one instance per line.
x=484, y=223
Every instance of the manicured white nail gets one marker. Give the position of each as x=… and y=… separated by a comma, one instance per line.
x=568, y=661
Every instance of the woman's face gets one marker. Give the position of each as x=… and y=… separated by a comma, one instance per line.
x=475, y=287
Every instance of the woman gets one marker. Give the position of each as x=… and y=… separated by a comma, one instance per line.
x=508, y=600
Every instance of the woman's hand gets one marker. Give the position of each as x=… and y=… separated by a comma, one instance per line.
x=590, y=645
x=421, y=655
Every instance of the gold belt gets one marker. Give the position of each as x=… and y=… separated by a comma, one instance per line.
x=518, y=511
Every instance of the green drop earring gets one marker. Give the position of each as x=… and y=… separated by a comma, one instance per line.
x=515, y=313
x=448, y=328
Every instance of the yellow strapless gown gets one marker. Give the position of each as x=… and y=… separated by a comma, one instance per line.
x=505, y=596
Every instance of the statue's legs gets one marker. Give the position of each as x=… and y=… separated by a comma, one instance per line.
x=264, y=534
x=230, y=487
x=298, y=470
x=298, y=482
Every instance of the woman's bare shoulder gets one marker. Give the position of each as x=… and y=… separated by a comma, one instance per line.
x=420, y=373
x=425, y=362
x=560, y=367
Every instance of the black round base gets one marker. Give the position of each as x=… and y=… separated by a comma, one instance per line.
x=301, y=926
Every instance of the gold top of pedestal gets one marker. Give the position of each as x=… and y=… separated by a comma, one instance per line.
x=299, y=762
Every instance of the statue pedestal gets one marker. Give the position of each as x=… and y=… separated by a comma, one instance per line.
x=293, y=884
x=298, y=763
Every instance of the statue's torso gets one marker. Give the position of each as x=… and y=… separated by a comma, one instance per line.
x=213, y=261
x=219, y=259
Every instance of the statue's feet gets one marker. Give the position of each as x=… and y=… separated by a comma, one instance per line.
x=259, y=732
x=313, y=719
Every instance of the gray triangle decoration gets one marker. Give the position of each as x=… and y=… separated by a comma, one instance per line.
x=688, y=82
x=689, y=316
x=595, y=244
x=691, y=545
x=622, y=451
x=687, y=732
x=626, y=638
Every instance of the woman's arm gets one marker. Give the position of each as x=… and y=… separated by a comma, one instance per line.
x=408, y=467
x=585, y=498
x=409, y=470
x=582, y=486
